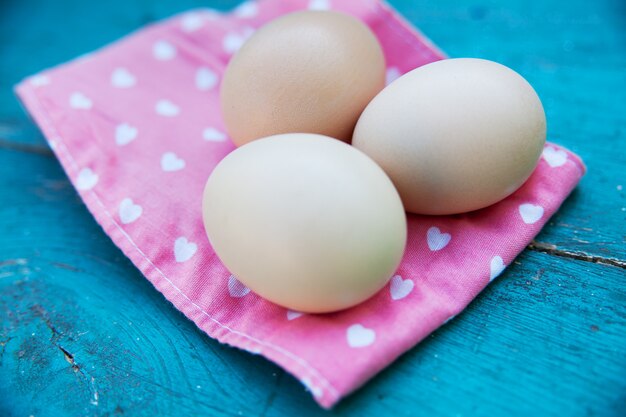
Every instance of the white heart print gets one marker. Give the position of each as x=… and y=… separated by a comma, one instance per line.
x=292, y=315
x=496, y=267
x=236, y=288
x=530, y=213
x=170, y=162
x=319, y=5
x=39, y=80
x=80, y=101
x=163, y=50
x=234, y=40
x=166, y=108
x=191, y=22
x=86, y=179
x=122, y=78
x=205, y=79
x=400, y=288
x=213, y=135
x=359, y=336
x=247, y=10
x=129, y=211
x=255, y=350
x=184, y=249
x=393, y=73
x=554, y=157
x=124, y=134
x=316, y=391
x=437, y=240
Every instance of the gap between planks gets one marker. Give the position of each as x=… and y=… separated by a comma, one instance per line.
x=550, y=249
x=25, y=147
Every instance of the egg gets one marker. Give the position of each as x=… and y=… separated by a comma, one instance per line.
x=455, y=135
x=309, y=71
x=305, y=221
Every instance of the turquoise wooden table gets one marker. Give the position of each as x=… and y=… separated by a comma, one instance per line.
x=84, y=334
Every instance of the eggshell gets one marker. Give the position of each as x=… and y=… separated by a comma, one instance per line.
x=455, y=135
x=305, y=221
x=310, y=71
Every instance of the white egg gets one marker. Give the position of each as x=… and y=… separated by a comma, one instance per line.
x=455, y=135
x=306, y=221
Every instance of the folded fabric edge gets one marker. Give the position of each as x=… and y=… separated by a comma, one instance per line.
x=410, y=28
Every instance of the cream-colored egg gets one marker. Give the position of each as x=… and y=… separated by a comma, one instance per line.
x=311, y=71
x=455, y=135
x=305, y=221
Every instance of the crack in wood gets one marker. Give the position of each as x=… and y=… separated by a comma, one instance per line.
x=90, y=381
x=25, y=147
x=272, y=395
x=551, y=249
x=11, y=262
x=69, y=358
x=66, y=266
x=3, y=344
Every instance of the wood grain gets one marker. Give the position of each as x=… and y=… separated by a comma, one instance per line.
x=83, y=333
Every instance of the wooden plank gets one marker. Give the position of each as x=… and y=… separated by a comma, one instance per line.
x=83, y=333
x=547, y=338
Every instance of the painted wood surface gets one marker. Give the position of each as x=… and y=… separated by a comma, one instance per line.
x=84, y=334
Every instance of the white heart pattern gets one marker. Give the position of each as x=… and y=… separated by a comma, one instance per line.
x=80, y=101
x=163, y=50
x=247, y=10
x=235, y=288
x=234, y=40
x=292, y=315
x=191, y=22
x=393, y=73
x=554, y=157
x=170, y=162
x=256, y=350
x=184, y=249
x=319, y=5
x=360, y=336
x=437, y=240
x=316, y=391
x=213, y=135
x=86, y=179
x=39, y=80
x=125, y=134
x=166, y=108
x=129, y=211
x=84, y=57
x=496, y=267
x=205, y=79
x=122, y=78
x=530, y=213
x=400, y=288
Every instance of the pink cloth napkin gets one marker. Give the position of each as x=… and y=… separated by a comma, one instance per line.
x=137, y=128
